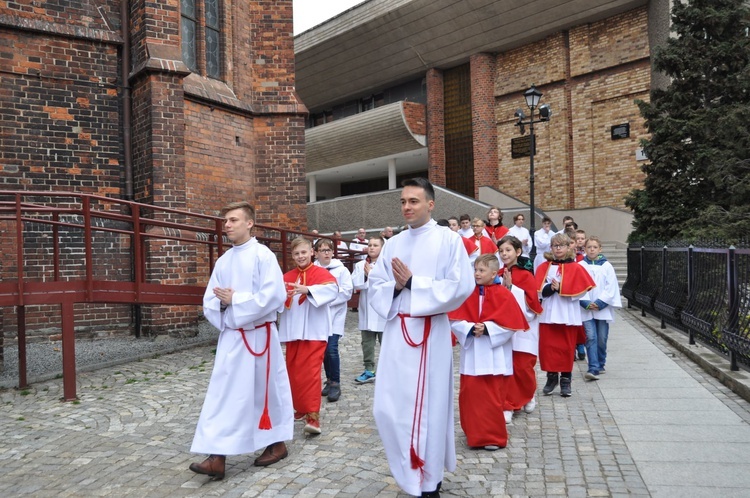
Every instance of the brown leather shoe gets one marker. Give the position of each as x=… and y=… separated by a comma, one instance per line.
x=272, y=454
x=213, y=466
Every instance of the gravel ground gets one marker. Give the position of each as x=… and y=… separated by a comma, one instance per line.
x=44, y=359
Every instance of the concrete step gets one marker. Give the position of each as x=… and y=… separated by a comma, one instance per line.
x=618, y=258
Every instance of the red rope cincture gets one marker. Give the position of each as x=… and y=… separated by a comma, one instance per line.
x=416, y=424
x=265, y=418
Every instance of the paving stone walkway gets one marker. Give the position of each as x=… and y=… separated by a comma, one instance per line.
x=654, y=425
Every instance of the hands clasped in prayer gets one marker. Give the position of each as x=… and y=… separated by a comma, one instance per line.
x=224, y=295
x=294, y=288
x=401, y=273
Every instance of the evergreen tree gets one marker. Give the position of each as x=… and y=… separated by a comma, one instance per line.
x=698, y=176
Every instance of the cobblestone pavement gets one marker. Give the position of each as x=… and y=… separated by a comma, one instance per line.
x=130, y=432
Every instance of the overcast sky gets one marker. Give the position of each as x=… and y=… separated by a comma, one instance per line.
x=309, y=13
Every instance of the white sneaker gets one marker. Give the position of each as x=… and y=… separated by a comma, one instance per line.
x=529, y=407
x=508, y=417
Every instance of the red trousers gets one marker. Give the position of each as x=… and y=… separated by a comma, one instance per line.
x=521, y=385
x=557, y=345
x=303, y=361
x=480, y=405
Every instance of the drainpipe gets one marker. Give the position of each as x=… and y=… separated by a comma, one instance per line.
x=126, y=111
x=127, y=139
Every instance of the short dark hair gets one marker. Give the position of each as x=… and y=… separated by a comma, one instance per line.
x=443, y=222
x=546, y=218
x=465, y=217
x=423, y=183
x=323, y=242
x=513, y=241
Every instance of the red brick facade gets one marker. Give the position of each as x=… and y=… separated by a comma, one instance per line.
x=197, y=143
x=590, y=75
x=435, y=127
x=415, y=118
x=484, y=129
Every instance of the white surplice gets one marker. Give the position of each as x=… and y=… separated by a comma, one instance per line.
x=311, y=320
x=489, y=354
x=338, y=306
x=542, y=240
x=526, y=342
x=368, y=318
x=607, y=290
x=442, y=279
x=228, y=423
x=522, y=233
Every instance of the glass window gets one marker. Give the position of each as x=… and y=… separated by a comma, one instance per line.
x=201, y=28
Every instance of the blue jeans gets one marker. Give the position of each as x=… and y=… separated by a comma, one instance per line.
x=331, y=361
x=597, y=332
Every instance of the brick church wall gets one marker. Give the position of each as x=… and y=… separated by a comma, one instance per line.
x=194, y=147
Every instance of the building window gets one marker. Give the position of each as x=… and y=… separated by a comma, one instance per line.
x=459, y=137
x=200, y=30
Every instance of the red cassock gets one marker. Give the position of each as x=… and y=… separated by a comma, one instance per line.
x=481, y=397
x=521, y=386
x=499, y=231
x=557, y=341
x=486, y=246
x=524, y=279
x=304, y=358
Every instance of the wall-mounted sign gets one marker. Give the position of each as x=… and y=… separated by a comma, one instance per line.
x=520, y=147
x=620, y=131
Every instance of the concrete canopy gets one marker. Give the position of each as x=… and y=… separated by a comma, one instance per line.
x=379, y=43
x=378, y=133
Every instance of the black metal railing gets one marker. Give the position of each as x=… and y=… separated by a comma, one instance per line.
x=703, y=291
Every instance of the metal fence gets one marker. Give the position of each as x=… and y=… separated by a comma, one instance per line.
x=704, y=292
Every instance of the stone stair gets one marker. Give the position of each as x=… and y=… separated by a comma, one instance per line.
x=617, y=254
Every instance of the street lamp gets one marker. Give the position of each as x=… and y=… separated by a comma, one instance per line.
x=533, y=97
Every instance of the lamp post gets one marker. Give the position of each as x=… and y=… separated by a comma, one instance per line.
x=532, y=97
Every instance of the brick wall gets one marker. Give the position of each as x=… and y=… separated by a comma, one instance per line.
x=590, y=76
x=60, y=111
x=483, y=126
x=65, y=120
x=196, y=146
x=415, y=117
x=435, y=113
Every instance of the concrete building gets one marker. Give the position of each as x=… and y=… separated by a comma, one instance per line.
x=403, y=87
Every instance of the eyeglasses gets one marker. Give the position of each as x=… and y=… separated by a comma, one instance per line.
x=559, y=246
x=477, y=226
x=325, y=250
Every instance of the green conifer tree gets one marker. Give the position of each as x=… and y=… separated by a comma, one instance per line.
x=697, y=181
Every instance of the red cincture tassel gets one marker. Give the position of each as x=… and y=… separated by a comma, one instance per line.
x=416, y=425
x=265, y=418
x=416, y=462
